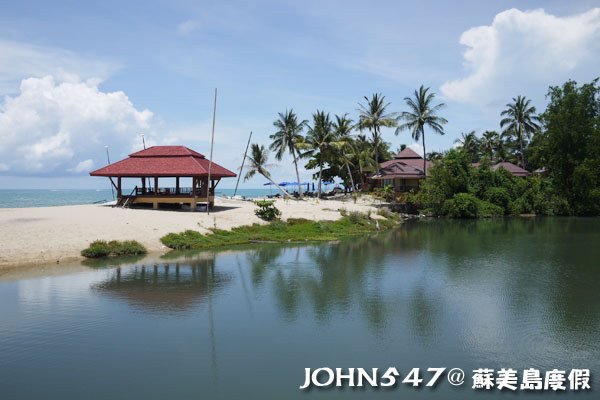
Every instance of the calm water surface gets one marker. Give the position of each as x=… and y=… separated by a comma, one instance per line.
x=244, y=323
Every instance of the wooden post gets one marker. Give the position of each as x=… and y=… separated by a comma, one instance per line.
x=143, y=185
x=119, y=187
x=156, y=185
x=177, y=185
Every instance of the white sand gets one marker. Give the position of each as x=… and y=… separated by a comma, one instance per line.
x=50, y=234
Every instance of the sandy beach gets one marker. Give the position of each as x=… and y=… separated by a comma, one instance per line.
x=57, y=234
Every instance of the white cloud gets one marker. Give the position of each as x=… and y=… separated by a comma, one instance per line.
x=417, y=148
x=4, y=167
x=51, y=125
x=84, y=166
x=188, y=27
x=526, y=51
x=19, y=60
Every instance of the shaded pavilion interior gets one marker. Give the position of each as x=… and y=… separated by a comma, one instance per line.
x=156, y=163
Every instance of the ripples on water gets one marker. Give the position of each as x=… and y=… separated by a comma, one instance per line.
x=246, y=322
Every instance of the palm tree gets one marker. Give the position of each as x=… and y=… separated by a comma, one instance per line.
x=470, y=143
x=364, y=156
x=319, y=141
x=520, y=121
x=422, y=113
x=342, y=128
x=287, y=138
x=373, y=116
x=489, y=144
x=258, y=165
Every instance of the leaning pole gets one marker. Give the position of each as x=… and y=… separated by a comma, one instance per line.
x=212, y=141
x=242, y=167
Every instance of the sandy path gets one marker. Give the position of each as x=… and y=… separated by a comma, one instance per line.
x=49, y=234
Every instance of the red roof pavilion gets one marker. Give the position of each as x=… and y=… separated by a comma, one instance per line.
x=166, y=162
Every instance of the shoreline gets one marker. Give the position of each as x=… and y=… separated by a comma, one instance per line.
x=37, y=236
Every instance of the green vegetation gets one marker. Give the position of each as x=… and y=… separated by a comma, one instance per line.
x=422, y=113
x=458, y=190
x=292, y=230
x=267, y=210
x=101, y=248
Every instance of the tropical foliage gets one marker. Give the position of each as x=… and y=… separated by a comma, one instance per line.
x=422, y=113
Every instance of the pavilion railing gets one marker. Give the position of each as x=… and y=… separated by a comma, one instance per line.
x=170, y=191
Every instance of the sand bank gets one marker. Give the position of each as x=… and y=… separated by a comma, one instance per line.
x=57, y=234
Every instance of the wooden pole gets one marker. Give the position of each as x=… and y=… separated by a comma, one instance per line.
x=108, y=159
x=243, y=161
x=212, y=141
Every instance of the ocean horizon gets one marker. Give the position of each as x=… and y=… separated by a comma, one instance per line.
x=26, y=198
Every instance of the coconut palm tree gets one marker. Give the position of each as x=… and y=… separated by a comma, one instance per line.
x=489, y=144
x=257, y=159
x=470, y=143
x=422, y=113
x=286, y=139
x=520, y=121
x=342, y=128
x=373, y=116
x=364, y=156
x=319, y=142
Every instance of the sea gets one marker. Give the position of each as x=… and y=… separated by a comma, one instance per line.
x=24, y=198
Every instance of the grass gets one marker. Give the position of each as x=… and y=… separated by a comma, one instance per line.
x=102, y=248
x=292, y=230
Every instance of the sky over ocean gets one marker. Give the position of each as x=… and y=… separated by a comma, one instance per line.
x=76, y=77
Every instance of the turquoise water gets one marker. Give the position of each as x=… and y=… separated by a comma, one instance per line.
x=243, y=323
x=19, y=198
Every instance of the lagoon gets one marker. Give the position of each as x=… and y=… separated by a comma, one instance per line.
x=245, y=322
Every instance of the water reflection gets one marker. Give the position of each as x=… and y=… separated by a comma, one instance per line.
x=245, y=321
x=166, y=287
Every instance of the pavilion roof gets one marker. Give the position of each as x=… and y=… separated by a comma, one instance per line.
x=164, y=161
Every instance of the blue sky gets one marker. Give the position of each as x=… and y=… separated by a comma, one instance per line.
x=76, y=76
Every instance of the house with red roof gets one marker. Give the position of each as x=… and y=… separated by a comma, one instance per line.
x=403, y=172
x=510, y=167
x=159, y=162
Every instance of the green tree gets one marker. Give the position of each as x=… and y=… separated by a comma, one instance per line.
x=258, y=159
x=489, y=144
x=320, y=142
x=286, y=139
x=572, y=145
x=422, y=113
x=520, y=121
x=343, y=128
x=470, y=143
x=373, y=116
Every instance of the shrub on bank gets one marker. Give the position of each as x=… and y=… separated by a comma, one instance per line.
x=267, y=210
x=102, y=248
x=295, y=229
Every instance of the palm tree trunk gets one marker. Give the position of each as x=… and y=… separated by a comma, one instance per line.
x=350, y=175
x=376, y=144
x=424, y=155
x=297, y=174
x=521, y=144
x=320, y=175
x=276, y=185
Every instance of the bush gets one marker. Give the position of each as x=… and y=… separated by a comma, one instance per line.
x=267, y=210
x=498, y=196
x=486, y=209
x=461, y=205
x=101, y=248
